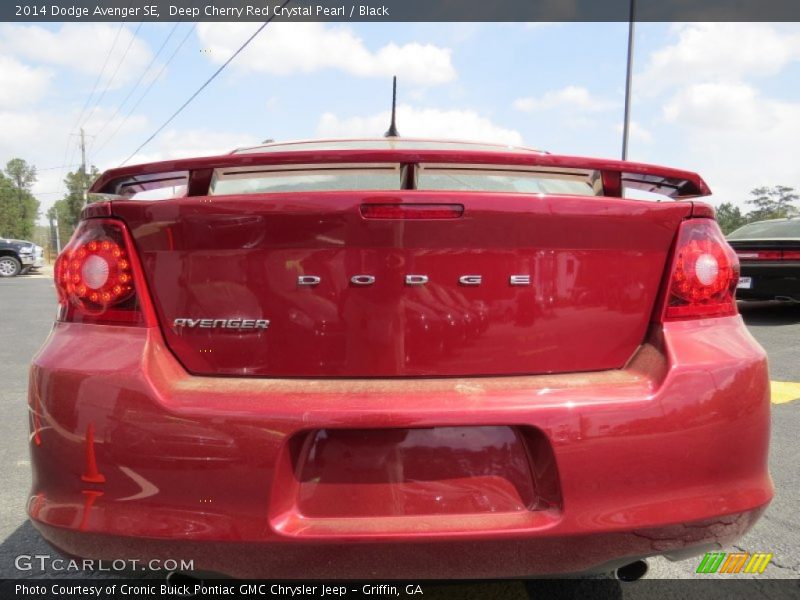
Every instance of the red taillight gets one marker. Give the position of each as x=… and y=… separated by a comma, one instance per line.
x=705, y=271
x=412, y=211
x=96, y=276
x=745, y=254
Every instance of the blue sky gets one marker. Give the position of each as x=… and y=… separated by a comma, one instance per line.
x=721, y=99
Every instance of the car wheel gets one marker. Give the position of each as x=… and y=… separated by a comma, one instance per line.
x=9, y=266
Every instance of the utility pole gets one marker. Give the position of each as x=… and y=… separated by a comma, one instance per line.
x=83, y=165
x=628, y=81
x=55, y=237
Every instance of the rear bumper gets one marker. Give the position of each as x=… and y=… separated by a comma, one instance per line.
x=771, y=280
x=321, y=478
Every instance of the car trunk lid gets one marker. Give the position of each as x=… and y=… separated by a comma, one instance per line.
x=500, y=284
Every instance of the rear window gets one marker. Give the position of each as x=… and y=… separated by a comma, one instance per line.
x=150, y=186
x=521, y=180
x=433, y=177
x=783, y=229
x=305, y=178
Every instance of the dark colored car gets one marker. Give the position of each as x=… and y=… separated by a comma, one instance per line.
x=397, y=359
x=19, y=256
x=769, y=254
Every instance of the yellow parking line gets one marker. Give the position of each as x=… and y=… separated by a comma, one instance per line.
x=784, y=391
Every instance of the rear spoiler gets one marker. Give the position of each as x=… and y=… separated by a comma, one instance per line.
x=196, y=173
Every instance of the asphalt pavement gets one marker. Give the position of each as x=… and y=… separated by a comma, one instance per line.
x=27, y=308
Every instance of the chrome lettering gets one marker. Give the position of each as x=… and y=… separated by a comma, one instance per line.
x=470, y=279
x=416, y=279
x=236, y=324
x=362, y=279
x=519, y=280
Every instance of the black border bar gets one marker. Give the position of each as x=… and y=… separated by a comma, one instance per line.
x=398, y=10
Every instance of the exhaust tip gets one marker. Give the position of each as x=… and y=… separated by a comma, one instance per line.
x=632, y=572
x=180, y=579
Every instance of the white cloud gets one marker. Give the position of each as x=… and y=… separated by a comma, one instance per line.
x=79, y=46
x=461, y=124
x=286, y=48
x=637, y=132
x=705, y=82
x=719, y=52
x=185, y=143
x=41, y=129
x=39, y=136
x=737, y=138
x=571, y=97
x=21, y=85
x=720, y=106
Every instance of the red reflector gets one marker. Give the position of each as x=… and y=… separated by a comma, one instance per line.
x=791, y=255
x=412, y=211
x=705, y=271
x=759, y=254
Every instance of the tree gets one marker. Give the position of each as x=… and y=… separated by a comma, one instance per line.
x=729, y=217
x=772, y=203
x=19, y=207
x=68, y=209
x=9, y=209
x=21, y=174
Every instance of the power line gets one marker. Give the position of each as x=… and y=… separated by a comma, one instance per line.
x=38, y=170
x=139, y=81
x=114, y=74
x=86, y=104
x=202, y=87
x=99, y=75
x=147, y=90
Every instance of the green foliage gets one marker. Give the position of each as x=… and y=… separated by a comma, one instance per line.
x=19, y=209
x=776, y=202
x=70, y=206
x=772, y=203
x=729, y=217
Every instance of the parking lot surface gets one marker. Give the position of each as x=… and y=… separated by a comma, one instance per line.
x=27, y=307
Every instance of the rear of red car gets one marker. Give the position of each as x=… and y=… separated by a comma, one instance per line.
x=400, y=360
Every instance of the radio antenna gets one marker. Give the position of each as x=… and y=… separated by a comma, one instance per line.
x=392, y=131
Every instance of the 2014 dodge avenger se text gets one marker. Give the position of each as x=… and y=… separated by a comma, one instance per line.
x=473, y=361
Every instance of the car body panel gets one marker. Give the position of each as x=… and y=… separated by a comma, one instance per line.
x=561, y=427
x=241, y=256
x=673, y=183
x=207, y=462
x=27, y=253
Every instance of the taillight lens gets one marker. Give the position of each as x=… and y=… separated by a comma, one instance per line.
x=749, y=255
x=705, y=271
x=95, y=276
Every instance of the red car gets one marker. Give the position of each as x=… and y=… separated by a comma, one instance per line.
x=397, y=358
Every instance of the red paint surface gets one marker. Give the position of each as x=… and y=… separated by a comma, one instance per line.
x=595, y=266
x=204, y=464
x=559, y=426
x=620, y=171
